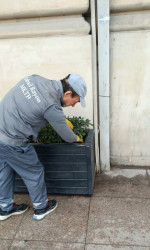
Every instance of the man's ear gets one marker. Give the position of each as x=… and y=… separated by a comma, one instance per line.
x=69, y=92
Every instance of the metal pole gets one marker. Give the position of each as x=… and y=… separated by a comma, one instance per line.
x=95, y=85
x=103, y=76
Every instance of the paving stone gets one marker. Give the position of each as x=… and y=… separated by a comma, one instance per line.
x=57, y=227
x=72, y=204
x=119, y=221
x=9, y=227
x=23, y=198
x=5, y=244
x=66, y=203
x=110, y=247
x=148, y=172
x=121, y=186
x=25, y=244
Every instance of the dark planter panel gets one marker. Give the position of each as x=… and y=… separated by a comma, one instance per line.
x=65, y=175
x=60, y=183
x=70, y=148
x=50, y=158
x=66, y=183
x=68, y=190
x=69, y=167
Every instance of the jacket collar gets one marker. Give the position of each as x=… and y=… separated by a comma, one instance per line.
x=61, y=92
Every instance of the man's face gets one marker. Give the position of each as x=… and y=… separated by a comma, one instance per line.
x=68, y=100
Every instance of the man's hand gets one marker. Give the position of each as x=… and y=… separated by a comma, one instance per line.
x=69, y=124
x=79, y=139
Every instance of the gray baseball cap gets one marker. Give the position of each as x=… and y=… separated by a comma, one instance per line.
x=79, y=86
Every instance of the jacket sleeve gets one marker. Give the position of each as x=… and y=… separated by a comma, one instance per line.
x=55, y=116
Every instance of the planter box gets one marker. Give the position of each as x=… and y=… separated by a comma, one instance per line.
x=69, y=167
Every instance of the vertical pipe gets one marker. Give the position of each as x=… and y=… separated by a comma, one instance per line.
x=103, y=76
x=95, y=80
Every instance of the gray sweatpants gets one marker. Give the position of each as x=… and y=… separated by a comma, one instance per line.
x=24, y=161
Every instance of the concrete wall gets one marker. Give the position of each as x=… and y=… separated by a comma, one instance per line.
x=50, y=38
x=129, y=82
x=38, y=8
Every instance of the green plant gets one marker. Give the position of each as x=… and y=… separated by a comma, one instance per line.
x=49, y=135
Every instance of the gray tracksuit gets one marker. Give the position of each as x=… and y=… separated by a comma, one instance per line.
x=28, y=107
x=34, y=102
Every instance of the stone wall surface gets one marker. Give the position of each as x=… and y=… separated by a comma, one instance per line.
x=50, y=38
x=129, y=5
x=37, y=8
x=130, y=106
x=51, y=26
x=129, y=82
x=52, y=57
x=128, y=21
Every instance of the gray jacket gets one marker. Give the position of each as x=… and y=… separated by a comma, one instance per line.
x=33, y=103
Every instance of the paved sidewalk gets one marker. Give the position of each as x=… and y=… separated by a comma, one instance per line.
x=117, y=216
